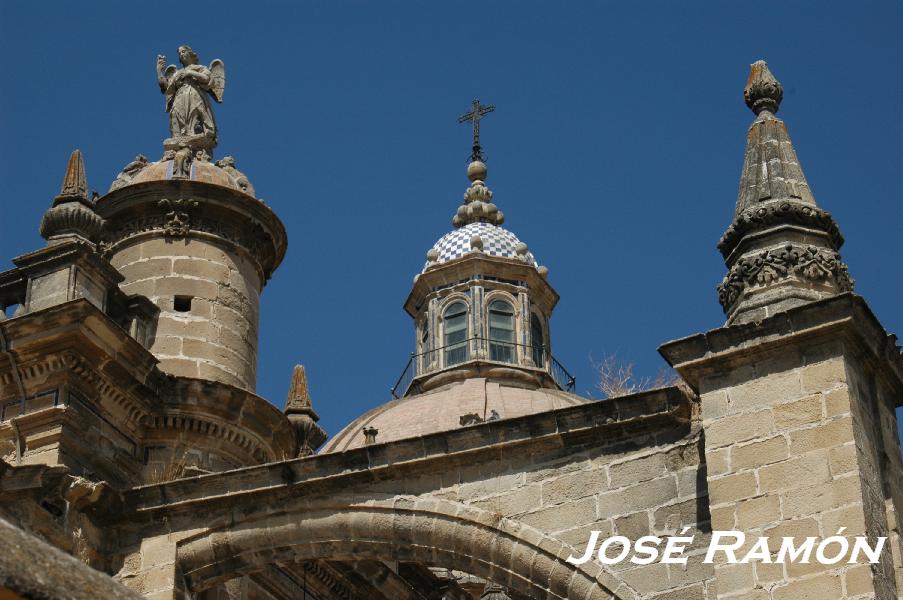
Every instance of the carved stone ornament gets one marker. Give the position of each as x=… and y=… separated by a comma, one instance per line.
x=188, y=91
x=763, y=217
x=177, y=221
x=129, y=171
x=478, y=204
x=227, y=164
x=762, y=91
x=816, y=265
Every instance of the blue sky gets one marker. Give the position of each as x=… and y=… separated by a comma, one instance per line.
x=615, y=151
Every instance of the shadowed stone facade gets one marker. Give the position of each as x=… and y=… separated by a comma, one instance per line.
x=133, y=440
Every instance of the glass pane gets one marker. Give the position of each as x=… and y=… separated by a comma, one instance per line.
x=539, y=358
x=501, y=352
x=455, y=325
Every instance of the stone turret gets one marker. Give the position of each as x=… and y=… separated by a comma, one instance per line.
x=190, y=234
x=781, y=248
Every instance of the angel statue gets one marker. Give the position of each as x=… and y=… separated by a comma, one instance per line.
x=191, y=121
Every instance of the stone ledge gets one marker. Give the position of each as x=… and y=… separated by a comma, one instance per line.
x=605, y=420
x=846, y=316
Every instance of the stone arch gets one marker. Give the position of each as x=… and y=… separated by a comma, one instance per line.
x=429, y=531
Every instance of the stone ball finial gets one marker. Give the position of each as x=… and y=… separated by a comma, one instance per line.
x=521, y=249
x=476, y=243
x=762, y=91
x=432, y=255
x=543, y=271
x=477, y=170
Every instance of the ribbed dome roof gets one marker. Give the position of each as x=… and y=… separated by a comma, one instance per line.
x=219, y=173
x=497, y=241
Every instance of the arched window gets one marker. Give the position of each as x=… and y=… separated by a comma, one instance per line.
x=455, y=327
x=539, y=343
x=501, y=331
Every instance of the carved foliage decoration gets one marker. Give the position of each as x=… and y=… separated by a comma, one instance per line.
x=816, y=265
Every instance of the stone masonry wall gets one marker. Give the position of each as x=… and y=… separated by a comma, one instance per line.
x=783, y=461
x=217, y=338
x=651, y=484
x=881, y=468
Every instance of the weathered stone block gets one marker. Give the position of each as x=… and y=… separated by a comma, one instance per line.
x=820, y=587
x=766, y=391
x=732, y=488
x=807, y=411
x=756, y=454
x=637, y=470
x=716, y=461
x=732, y=579
x=565, y=516
x=633, y=526
x=823, y=376
x=647, y=495
x=833, y=433
x=821, y=498
x=758, y=512
x=738, y=428
x=574, y=486
x=797, y=472
x=843, y=459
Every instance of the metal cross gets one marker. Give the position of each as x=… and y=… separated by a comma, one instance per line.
x=476, y=113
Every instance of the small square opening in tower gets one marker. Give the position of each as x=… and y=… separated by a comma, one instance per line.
x=181, y=303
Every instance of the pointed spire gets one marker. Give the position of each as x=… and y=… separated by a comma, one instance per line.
x=75, y=184
x=300, y=412
x=771, y=170
x=781, y=249
x=72, y=215
x=298, y=395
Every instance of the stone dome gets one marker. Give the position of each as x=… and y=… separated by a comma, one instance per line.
x=441, y=409
x=221, y=173
x=497, y=241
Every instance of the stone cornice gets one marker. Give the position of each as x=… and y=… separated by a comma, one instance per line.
x=238, y=417
x=475, y=263
x=846, y=316
x=610, y=419
x=180, y=208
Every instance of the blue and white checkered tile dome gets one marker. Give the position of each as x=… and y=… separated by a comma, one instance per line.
x=497, y=241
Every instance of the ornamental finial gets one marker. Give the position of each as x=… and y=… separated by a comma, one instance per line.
x=72, y=215
x=298, y=394
x=75, y=184
x=476, y=113
x=762, y=91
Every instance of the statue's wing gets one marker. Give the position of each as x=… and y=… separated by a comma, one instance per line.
x=217, y=79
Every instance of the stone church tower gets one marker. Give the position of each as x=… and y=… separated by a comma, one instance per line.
x=137, y=460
